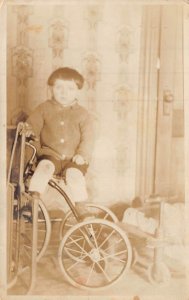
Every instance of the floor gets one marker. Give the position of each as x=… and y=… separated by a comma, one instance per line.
x=51, y=282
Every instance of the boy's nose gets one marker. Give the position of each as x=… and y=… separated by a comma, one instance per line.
x=64, y=91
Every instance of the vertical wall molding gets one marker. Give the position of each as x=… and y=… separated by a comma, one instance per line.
x=147, y=101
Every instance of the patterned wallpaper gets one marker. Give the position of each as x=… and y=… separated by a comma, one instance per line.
x=102, y=42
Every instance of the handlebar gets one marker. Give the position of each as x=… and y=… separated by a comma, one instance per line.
x=34, y=151
x=23, y=128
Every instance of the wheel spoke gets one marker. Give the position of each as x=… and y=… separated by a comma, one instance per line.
x=73, y=265
x=113, y=255
x=105, y=274
x=112, y=245
x=106, y=239
x=79, y=247
x=91, y=270
x=74, y=241
x=106, y=216
x=26, y=246
x=28, y=255
x=26, y=237
x=118, y=259
x=69, y=226
x=99, y=232
x=85, y=235
x=93, y=235
x=73, y=250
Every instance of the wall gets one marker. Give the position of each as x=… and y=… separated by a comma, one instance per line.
x=101, y=41
x=118, y=48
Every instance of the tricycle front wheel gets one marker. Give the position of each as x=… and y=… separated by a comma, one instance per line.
x=94, y=254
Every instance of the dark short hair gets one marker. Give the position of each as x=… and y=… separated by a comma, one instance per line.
x=66, y=74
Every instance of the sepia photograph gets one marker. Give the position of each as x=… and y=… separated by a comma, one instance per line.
x=94, y=127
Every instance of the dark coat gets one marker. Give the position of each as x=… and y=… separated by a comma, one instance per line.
x=63, y=131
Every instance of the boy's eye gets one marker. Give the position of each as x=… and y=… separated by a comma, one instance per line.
x=67, y=88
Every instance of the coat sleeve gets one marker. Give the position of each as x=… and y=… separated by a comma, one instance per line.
x=87, y=129
x=36, y=121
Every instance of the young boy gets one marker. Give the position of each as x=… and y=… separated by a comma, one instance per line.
x=65, y=134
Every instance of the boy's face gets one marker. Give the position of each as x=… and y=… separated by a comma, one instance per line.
x=65, y=91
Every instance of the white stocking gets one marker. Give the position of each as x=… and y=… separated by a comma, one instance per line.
x=43, y=173
x=76, y=185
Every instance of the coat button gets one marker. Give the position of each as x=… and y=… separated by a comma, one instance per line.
x=62, y=123
x=63, y=156
x=62, y=141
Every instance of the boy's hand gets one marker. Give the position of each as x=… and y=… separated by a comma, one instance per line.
x=78, y=159
x=29, y=131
